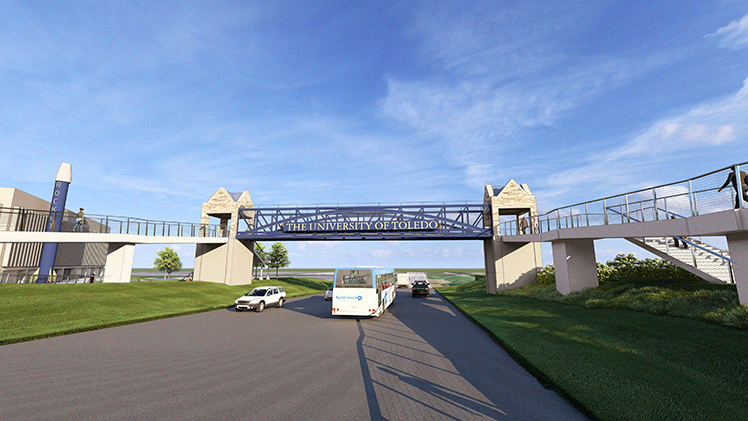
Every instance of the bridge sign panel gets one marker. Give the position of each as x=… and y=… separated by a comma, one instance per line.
x=399, y=222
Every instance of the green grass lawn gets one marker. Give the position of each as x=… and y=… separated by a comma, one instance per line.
x=447, y=277
x=442, y=270
x=619, y=364
x=33, y=311
x=691, y=298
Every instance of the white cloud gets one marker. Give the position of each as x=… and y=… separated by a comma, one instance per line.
x=734, y=35
x=480, y=122
x=381, y=254
x=504, y=74
x=501, y=39
x=708, y=125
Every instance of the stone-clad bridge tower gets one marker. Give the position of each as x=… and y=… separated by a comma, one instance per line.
x=229, y=263
x=510, y=265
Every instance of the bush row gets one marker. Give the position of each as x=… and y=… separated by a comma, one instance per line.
x=650, y=285
x=626, y=266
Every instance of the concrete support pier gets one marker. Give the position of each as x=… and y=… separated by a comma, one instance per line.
x=119, y=262
x=738, y=245
x=575, y=265
x=229, y=263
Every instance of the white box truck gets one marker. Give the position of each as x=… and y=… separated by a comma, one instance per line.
x=403, y=280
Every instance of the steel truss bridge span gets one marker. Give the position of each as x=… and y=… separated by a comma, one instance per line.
x=396, y=222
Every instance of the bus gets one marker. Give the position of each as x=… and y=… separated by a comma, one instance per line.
x=362, y=291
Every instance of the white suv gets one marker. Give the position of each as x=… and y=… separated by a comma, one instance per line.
x=261, y=297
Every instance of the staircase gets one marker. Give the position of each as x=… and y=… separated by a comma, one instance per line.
x=701, y=259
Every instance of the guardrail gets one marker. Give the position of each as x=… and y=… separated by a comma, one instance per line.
x=20, y=219
x=691, y=197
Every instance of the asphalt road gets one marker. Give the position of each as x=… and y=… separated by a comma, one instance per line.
x=421, y=360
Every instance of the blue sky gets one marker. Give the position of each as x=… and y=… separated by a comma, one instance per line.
x=158, y=104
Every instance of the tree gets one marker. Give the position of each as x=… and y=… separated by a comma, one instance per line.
x=168, y=261
x=278, y=257
x=260, y=250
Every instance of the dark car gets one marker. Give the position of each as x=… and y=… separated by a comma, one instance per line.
x=420, y=288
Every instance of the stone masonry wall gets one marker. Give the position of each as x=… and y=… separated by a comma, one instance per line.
x=223, y=206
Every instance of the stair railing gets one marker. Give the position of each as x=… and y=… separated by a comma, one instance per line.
x=694, y=246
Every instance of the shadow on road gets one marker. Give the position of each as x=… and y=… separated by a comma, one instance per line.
x=508, y=387
x=371, y=396
x=312, y=305
x=444, y=394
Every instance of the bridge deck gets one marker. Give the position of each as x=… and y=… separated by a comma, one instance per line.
x=85, y=237
x=712, y=224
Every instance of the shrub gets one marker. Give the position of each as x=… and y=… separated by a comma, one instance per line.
x=547, y=275
x=626, y=266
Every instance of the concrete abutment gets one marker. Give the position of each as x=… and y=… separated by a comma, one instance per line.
x=119, y=260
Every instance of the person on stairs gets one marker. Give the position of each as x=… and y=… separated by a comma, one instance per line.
x=675, y=239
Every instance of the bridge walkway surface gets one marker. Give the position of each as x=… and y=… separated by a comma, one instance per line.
x=422, y=359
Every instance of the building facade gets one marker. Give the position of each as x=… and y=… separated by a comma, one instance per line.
x=75, y=262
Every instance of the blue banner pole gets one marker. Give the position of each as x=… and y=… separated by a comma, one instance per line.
x=54, y=221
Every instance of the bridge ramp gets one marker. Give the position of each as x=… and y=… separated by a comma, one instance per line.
x=700, y=262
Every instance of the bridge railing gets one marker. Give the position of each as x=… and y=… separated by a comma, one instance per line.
x=379, y=222
x=691, y=197
x=20, y=219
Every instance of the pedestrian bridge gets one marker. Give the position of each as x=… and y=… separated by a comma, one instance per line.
x=695, y=211
x=426, y=221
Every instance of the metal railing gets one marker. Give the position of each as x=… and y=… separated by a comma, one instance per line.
x=687, y=241
x=20, y=219
x=695, y=196
x=694, y=246
x=63, y=275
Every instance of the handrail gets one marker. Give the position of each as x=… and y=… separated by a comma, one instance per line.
x=363, y=206
x=34, y=220
x=645, y=189
x=671, y=213
x=338, y=204
x=681, y=195
x=687, y=241
x=704, y=249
